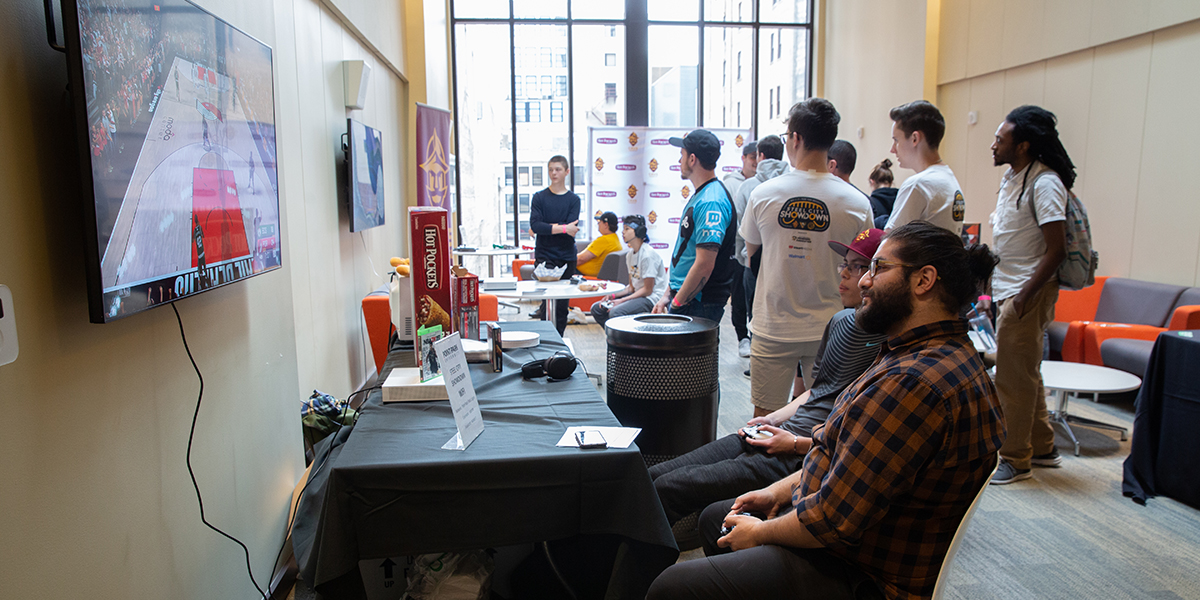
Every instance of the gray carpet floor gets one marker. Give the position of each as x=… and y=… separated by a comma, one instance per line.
x=1067, y=533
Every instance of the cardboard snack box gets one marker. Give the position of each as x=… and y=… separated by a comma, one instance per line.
x=429, y=249
x=465, y=302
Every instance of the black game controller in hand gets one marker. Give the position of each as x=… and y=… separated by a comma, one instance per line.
x=726, y=530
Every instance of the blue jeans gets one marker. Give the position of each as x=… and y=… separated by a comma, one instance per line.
x=712, y=312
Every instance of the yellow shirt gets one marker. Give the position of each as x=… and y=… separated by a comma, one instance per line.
x=600, y=247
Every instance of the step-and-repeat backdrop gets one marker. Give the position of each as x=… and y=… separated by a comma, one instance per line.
x=635, y=171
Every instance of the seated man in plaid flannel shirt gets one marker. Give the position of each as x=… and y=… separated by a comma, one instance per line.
x=892, y=471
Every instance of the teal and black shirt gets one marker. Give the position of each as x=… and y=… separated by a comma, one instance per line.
x=708, y=222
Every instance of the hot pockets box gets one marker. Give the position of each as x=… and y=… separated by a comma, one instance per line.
x=429, y=249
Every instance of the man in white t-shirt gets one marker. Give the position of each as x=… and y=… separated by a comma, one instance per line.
x=791, y=220
x=647, y=276
x=933, y=194
x=1029, y=236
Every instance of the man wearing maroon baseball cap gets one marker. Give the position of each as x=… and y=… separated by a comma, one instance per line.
x=865, y=244
x=738, y=463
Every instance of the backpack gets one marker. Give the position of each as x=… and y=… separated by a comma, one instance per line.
x=1078, y=269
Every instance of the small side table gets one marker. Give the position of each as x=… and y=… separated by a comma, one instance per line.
x=1079, y=378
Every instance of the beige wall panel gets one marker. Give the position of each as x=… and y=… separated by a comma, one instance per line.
x=954, y=100
x=1023, y=85
x=986, y=37
x=378, y=22
x=983, y=177
x=1068, y=91
x=344, y=294
x=1165, y=236
x=1165, y=13
x=1114, y=150
x=866, y=33
x=1025, y=32
x=437, y=58
x=953, y=40
x=1067, y=26
x=1116, y=19
x=289, y=115
x=320, y=211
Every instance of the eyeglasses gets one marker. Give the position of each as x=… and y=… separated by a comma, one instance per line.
x=886, y=264
x=853, y=269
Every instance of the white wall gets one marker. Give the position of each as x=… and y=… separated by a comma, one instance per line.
x=868, y=70
x=96, y=501
x=437, y=57
x=1120, y=75
x=1124, y=112
x=333, y=268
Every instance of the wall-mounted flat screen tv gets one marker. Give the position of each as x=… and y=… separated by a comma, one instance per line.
x=176, y=115
x=364, y=161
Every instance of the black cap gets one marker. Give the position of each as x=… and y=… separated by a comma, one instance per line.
x=610, y=219
x=701, y=143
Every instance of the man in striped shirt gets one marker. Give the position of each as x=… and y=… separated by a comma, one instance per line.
x=735, y=464
x=893, y=470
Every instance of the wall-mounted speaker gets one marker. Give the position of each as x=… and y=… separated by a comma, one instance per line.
x=356, y=74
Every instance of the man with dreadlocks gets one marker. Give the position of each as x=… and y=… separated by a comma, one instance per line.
x=1029, y=232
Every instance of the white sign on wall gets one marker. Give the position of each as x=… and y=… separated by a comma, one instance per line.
x=635, y=171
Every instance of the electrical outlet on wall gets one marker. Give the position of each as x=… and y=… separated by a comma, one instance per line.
x=8, y=327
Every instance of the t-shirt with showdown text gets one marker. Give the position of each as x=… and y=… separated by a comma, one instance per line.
x=794, y=217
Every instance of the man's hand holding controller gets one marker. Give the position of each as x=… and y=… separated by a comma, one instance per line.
x=773, y=440
x=737, y=531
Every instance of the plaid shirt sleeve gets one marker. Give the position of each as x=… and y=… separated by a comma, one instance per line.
x=883, y=438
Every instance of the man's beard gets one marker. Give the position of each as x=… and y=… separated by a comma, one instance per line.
x=887, y=306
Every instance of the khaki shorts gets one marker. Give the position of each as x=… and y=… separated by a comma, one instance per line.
x=773, y=369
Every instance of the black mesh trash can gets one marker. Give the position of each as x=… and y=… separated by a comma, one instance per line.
x=663, y=377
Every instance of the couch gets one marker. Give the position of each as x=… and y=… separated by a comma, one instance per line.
x=1114, y=323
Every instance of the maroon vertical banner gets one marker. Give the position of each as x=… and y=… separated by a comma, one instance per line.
x=433, y=157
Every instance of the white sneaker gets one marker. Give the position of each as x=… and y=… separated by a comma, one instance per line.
x=576, y=317
x=744, y=348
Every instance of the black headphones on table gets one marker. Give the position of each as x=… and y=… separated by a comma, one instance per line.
x=559, y=365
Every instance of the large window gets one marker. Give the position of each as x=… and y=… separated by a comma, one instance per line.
x=685, y=63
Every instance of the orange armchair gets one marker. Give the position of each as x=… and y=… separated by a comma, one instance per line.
x=1072, y=312
x=377, y=313
x=517, y=263
x=1085, y=335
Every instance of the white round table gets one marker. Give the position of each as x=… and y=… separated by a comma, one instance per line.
x=1080, y=378
x=492, y=253
x=556, y=290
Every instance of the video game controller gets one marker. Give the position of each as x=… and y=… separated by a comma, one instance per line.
x=755, y=432
x=725, y=529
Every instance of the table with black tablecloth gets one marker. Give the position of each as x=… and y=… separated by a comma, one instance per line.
x=386, y=488
x=1164, y=457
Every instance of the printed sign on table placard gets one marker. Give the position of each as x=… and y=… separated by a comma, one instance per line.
x=463, y=401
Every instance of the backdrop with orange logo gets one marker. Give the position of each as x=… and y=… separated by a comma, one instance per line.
x=635, y=171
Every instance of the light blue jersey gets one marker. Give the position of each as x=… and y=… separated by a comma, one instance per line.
x=708, y=220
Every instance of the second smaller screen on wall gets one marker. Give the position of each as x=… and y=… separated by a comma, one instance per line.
x=365, y=163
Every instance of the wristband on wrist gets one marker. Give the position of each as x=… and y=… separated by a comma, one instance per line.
x=795, y=439
x=675, y=302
